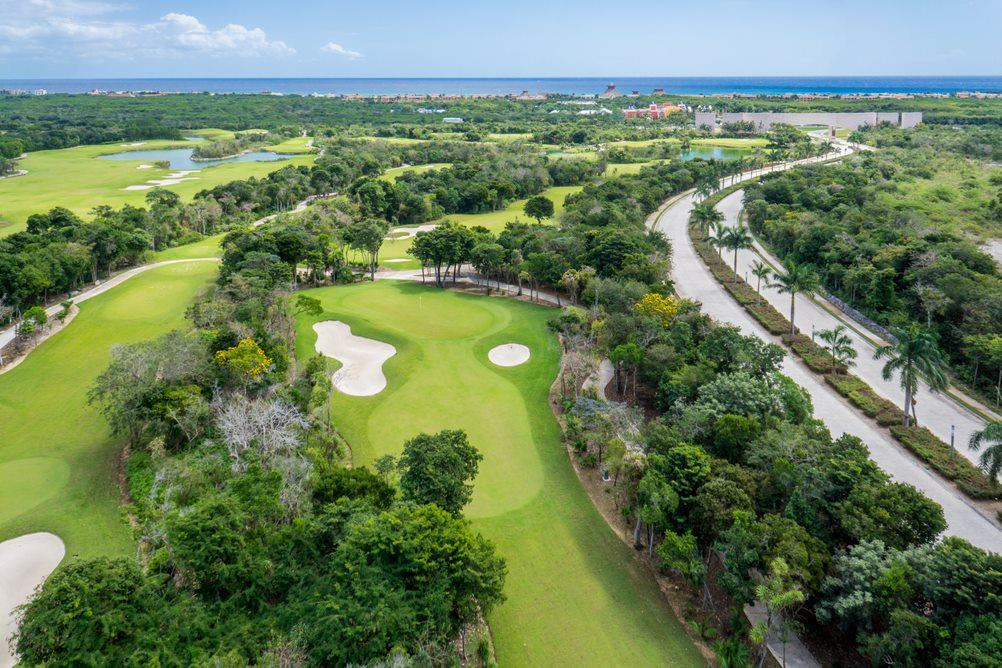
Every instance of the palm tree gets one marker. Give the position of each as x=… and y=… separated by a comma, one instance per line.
x=915, y=353
x=703, y=216
x=761, y=271
x=839, y=344
x=991, y=458
x=704, y=189
x=717, y=235
x=736, y=238
x=799, y=278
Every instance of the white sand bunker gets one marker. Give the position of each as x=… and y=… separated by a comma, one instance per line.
x=408, y=232
x=171, y=179
x=25, y=562
x=361, y=373
x=135, y=143
x=509, y=354
x=145, y=167
x=396, y=259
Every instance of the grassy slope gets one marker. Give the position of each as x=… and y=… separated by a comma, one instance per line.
x=575, y=594
x=494, y=221
x=720, y=142
x=57, y=458
x=393, y=173
x=77, y=179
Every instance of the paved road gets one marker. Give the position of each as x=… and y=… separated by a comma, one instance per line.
x=7, y=335
x=693, y=280
x=935, y=411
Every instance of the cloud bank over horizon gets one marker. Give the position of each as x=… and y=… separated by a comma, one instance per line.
x=397, y=38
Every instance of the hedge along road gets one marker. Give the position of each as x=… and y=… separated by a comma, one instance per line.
x=694, y=281
x=576, y=594
x=938, y=412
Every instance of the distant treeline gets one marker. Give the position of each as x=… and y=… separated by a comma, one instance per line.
x=59, y=121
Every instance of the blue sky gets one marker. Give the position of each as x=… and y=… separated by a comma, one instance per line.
x=107, y=38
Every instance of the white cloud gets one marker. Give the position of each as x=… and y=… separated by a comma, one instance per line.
x=337, y=49
x=85, y=29
x=231, y=38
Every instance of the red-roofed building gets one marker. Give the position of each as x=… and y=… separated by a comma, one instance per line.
x=654, y=110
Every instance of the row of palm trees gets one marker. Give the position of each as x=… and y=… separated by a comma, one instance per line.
x=914, y=354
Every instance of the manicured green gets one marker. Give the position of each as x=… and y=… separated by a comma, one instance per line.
x=76, y=178
x=576, y=595
x=494, y=221
x=207, y=247
x=393, y=173
x=58, y=461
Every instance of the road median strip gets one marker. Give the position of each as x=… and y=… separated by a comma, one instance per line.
x=925, y=445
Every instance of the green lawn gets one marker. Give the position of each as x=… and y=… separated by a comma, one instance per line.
x=576, y=595
x=76, y=178
x=720, y=142
x=58, y=461
x=494, y=221
x=393, y=173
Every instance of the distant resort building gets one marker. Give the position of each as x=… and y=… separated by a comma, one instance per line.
x=852, y=120
x=654, y=110
x=451, y=119
x=594, y=112
x=525, y=95
x=658, y=91
x=610, y=93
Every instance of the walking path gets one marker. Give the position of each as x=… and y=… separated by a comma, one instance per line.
x=694, y=281
x=938, y=412
x=470, y=279
x=7, y=335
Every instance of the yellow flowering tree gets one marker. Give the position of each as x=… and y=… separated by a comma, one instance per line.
x=246, y=359
x=663, y=308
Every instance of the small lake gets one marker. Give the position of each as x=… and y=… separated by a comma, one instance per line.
x=715, y=153
x=180, y=158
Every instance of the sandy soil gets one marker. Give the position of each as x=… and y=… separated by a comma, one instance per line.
x=171, y=179
x=361, y=373
x=408, y=232
x=509, y=354
x=25, y=562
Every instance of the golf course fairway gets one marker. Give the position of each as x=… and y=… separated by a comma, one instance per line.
x=575, y=594
x=58, y=459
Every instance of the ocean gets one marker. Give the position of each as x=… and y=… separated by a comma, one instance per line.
x=503, y=86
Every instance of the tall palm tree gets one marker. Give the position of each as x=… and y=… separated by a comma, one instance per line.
x=915, y=354
x=761, y=271
x=991, y=439
x=703, y=216
x=799, y=278
x=704, y=189
x=735, y=239
x=716, y=236
x=839, y=344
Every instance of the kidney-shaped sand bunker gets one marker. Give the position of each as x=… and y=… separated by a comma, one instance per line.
x=509, y=354
x=361, y=372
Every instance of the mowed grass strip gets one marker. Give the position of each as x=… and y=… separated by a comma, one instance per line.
x=576, y=595
x=399, y=249
x=79, y=180
x=58, y=459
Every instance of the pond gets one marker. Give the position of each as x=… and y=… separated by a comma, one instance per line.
x=715, y=153
x=180, y=158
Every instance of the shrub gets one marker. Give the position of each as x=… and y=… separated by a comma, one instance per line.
x=815, y=357
x=970, y=479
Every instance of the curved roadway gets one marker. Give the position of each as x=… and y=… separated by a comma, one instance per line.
x=694, y=281
x=935, y=411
